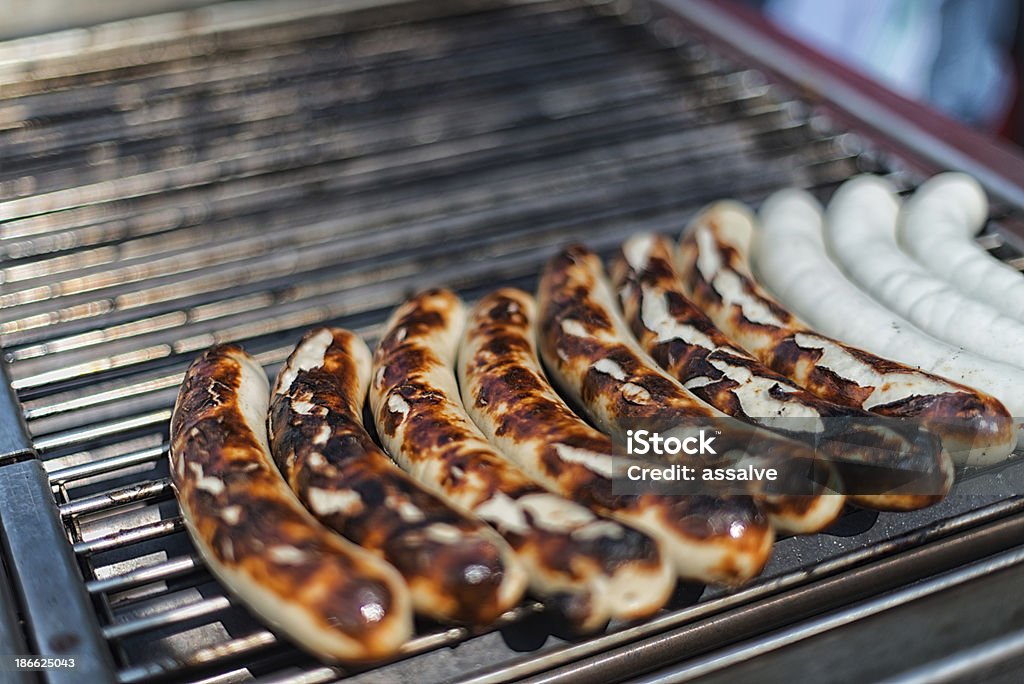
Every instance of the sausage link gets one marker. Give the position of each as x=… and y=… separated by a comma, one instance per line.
x=687, y=344
x=455, y=565
x=328, y=595
x=625, y=564
x=713, y=262
x=707, y=539
x=423, y=424
x=591, y=354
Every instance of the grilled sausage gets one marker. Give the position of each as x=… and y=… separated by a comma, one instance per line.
x=942, y=240
x=422, y=423
x=860, y=231
x=504, y=388
x=328, y=595
x=625, y=564
x=687, y=344
x=455, y=565
x=712, y=260
x=593, y=358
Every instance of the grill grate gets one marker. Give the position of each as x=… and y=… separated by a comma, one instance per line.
x=244, y=172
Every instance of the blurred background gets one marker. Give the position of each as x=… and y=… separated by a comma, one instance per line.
x=964, y=57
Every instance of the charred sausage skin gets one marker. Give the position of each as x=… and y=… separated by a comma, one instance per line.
x=328, y=595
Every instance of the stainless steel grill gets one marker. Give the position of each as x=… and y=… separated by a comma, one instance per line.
x=243, y=172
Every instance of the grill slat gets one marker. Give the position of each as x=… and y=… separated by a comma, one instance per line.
x=107, y=465
x=229, y=650
x=175, y=567
x=100, y=431
x=145, y=491
x=128, y=536
x=180, y=182
x=77, y=308
x=183, y=240
x=199, y=609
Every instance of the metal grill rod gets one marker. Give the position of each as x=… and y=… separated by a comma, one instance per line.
x=169, y=569
x=120, y=538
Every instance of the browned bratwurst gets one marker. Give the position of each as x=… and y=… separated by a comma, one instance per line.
x=708, y=539
x=687, y=344
x=331, y=597
x=457, y=567
x=713, y=263
x=592, y=356
x=423, y=424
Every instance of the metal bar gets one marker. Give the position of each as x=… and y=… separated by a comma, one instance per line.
x=133, y=535
x=719, y=663
x=193, y=611
x=273, y=64
x=227, y=26
x=107, y=465
x=218, y=654
x=84, y=401
x=512, y=111
x=123, y=496
x=12, y=640
x=262, y=640
x=152, y=182
x=783, y=600
x=175, y=567
x=142, y=157
x=54, y=442
x=293, y=160
x=1003, y=656
x=59, y=618
x=352, y=248
x=701, y=145
x=411, y=266
x=664, y=144
x=15, y=441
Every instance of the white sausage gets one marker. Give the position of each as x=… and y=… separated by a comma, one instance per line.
x=860, y=232
x=951, y=209
x=789, y=255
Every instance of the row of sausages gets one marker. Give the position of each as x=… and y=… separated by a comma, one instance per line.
x=487, y=485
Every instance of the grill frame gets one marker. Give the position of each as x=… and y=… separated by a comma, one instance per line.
x=12, y=638
x=650, y=644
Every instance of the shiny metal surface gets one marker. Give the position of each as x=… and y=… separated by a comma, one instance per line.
x=790, y=652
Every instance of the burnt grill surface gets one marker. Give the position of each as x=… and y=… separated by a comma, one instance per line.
x=243, y=173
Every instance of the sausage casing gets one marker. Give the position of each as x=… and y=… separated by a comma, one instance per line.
x=688, y=345
x=713, y=263
x=593, y=357
x=455, y=565
x=707, y=539
x=422, y=422
x=328, y=595
x=622, y=563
